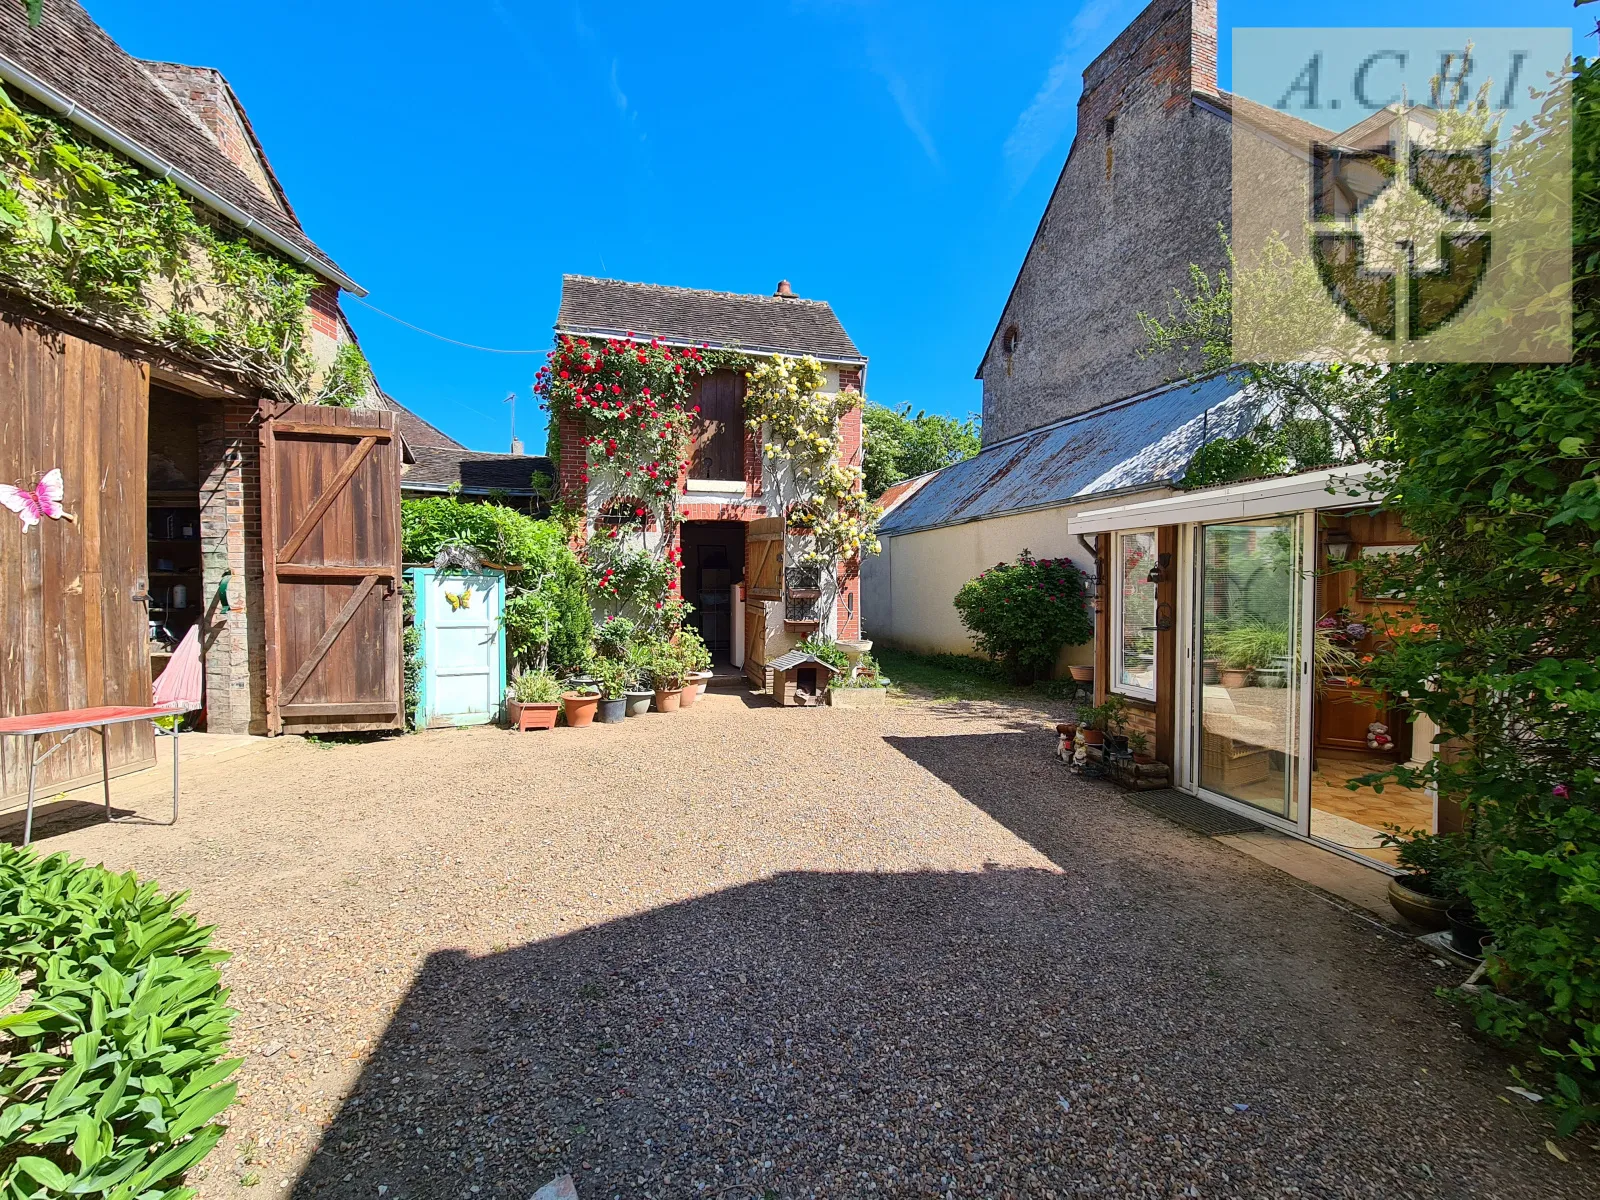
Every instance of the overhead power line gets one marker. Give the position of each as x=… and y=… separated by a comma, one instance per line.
x=440, y=336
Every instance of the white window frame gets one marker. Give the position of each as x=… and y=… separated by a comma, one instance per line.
x=1115, y=683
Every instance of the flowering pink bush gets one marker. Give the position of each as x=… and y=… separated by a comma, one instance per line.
x=1023, y=613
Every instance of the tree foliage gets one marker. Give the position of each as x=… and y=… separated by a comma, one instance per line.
x=1312, y=414
x=901, y=446
x=1496, y=469
x=1023, y=613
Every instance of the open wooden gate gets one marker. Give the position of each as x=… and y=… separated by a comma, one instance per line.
x=763, y=593
x=330, y=517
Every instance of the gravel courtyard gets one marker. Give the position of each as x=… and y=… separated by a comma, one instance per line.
x=750, y=952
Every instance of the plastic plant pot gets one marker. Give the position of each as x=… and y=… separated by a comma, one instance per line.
x=613, y=711
x=638, y=703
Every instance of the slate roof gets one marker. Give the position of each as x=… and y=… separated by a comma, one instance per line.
x=417, y=432
x=438, y=467
x=1142, y=442
x=74, y=56
x=763, y=324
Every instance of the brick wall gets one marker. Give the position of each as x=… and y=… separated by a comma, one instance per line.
x=206, y=94
x=324, y=309
x=230, y=532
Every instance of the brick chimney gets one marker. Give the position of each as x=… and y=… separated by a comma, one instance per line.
x=1169, y=50
x=784, y=290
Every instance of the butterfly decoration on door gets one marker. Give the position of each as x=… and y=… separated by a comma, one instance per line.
x=459, y=600
x=35, y=504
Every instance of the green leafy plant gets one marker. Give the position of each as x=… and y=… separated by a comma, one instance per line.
x=1109, y=716
x=612, y=675
x=665, y=664
x=346, y=380
x=536, y=687
x=825, y=649
x=1251, y=644
x=867, y=675
x=1432, y=861
x=1023, y=613
x=112, y=1071
x=1139, y=743
x=694, y=650
x=1496, y=471
x=614, y=636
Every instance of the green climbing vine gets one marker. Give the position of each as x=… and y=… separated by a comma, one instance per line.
x=87, y=233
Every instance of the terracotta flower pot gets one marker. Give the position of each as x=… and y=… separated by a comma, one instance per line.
x=580, y=709
x=527, y=715
x=667, y=701
x=1235, y=678
x=1092, y=737
x=1081, y=674
x=687, y=694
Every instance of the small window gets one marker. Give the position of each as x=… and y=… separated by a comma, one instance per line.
x=1008, y=342
x=1111, y=129
x=1133, y=615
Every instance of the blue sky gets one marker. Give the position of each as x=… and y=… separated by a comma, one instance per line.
x=892, y=158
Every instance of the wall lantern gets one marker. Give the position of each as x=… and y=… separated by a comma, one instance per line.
x=1337, y=543
x=1160, y=573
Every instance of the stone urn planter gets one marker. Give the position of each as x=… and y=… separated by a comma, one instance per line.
x=667, y=699
x=638, y=702
x=525, y=716
x=580, y=709
x=859, y=697
x=1422, y=909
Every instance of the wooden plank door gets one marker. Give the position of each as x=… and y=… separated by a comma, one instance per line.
x=330, y=518
x=763, y=589
x=73, y=631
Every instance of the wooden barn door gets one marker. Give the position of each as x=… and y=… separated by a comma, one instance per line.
x=330, y=518
x=74, y=632
x=763, y=592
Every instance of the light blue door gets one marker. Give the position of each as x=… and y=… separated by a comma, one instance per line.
x=463, y=646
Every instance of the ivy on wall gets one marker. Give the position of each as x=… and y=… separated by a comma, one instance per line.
x=86, y=233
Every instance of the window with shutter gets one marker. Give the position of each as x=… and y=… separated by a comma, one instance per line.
x=718, y=451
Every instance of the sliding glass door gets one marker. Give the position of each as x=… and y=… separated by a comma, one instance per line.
x=1250, y=629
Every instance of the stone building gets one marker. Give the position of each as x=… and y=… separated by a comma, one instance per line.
x=1142, y=195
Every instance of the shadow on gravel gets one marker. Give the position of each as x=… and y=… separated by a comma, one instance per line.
x=1005, y=1032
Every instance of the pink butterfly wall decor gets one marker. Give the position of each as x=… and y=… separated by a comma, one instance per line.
x=44, y=500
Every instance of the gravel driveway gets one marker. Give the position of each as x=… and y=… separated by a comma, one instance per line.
x=752, y=952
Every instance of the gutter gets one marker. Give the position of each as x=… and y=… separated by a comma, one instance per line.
x=41, y=91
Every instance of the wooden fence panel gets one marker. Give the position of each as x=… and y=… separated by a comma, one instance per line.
x=74, y=635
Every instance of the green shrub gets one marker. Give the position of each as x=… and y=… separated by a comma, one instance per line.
x=1023, y=613
x=111, y=1073
x=547, y=616
x=825, y=649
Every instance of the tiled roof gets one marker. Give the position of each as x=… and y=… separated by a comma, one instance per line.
x=437, y=467
x=1145, y=441
x=74, y=56
x=773, y=324
x=417, y=432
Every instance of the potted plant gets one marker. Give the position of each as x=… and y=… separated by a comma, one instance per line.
x=664, y=661
x=862, y=687
x=1425, y=892
x=1139, y=744
x=1081, y=673
x=580, y=703
x=697, y=658
x=638, y=694
x=1250, y=646
x=534, y=701
x=612, y=674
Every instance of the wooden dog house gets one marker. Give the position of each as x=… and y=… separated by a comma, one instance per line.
x=800, y=679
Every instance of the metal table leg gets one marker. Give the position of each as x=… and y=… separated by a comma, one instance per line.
x=33, y=774
x=175, y=725
x=105, y=769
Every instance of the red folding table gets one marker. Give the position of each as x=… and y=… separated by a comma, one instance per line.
x=73, y=721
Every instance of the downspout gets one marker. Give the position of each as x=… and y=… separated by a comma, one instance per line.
x=41, y=91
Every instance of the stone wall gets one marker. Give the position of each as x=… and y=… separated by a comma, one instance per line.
x=1144, y=189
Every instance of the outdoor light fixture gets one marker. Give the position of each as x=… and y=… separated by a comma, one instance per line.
x=1337, y=543
x=1158, y=573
